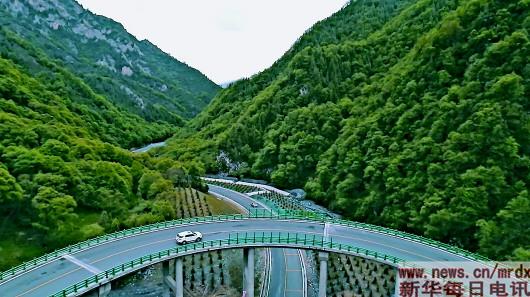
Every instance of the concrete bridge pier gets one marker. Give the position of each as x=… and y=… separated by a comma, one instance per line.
x=322, y=283
x=248, y=273
x=104, y=290
x=175, y=287
x=396, y=285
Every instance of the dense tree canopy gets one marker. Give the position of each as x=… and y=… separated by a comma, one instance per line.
x=134, y=75
x=409, y=114
x=64, y=175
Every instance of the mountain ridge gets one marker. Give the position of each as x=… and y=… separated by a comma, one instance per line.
x=135, y=75
x=393, y=120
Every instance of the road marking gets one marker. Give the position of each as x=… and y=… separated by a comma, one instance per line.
x=286, y=274
x=252, y=230
x=304, y=273
x=326, y=231
x=256, y=193
x=82, y=264
x=72, y=271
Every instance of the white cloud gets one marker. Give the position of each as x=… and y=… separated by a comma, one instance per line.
x=225, y=39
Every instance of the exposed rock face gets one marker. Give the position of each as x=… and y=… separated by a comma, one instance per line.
x=126, y=71
x=92, y=45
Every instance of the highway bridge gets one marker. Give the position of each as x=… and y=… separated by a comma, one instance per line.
x=288, y=267
x=93, y=264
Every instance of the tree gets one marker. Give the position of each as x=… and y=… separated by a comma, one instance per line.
x=11, y=194
x=507, y=233
x=10, y=191
x=56, y=215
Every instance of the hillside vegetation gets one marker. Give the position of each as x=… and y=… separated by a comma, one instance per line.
x=408, y=114
x=65, y=170
x=134, y=75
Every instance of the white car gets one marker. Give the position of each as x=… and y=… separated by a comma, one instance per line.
x=188, y=237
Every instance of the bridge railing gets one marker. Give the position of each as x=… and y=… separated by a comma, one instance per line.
x=137, y=230
x=234, y=240
x=258, y=213
x=369, y=227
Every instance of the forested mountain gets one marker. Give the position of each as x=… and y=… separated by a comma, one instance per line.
x=135, y=75
x=63, y=175
x=67, y=121
x=410, y=114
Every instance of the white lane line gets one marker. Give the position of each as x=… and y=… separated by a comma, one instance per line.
x=304, y=273
x=256, y=193
x=172, y=238
x=81, y=264
x=326, y=231
x=269, y=272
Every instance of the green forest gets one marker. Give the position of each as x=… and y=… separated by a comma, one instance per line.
x=407, y=114
x=410, y=114
x=63, y=174
x=66, y=173
x=134, y=75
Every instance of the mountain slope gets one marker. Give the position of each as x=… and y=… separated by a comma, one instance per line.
x=133, y=74
x=63, y=175
x=414, y=117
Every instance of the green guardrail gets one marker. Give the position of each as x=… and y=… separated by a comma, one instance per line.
x=258, y=213
x=417, y=238
x=234, y=240
x=270, y=204
x=261, y=213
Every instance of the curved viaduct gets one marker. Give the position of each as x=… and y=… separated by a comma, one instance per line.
x=92, y=264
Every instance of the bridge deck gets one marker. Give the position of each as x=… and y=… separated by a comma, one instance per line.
x=60, y=273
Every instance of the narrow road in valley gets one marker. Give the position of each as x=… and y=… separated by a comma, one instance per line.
x=287, y=272
x=149, y=147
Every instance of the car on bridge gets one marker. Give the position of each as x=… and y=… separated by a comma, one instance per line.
x=188, y=237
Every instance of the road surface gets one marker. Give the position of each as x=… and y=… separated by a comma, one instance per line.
x=58, y=274
x=287, y=271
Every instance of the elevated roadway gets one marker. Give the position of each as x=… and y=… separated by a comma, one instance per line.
x=98, y=261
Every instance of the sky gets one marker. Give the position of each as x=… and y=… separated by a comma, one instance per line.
x=224, y=39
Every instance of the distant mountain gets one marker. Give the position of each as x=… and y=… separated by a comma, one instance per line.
x=412, y=114
x=66, y=173
x=226, y=84
x=135, y=75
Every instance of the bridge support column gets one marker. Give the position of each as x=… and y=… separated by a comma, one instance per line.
x=179, y=276
x=248, y=274
x=175, y=287
x=396, y=285
x=104, y=290
x=322, y=283
x=166, y=276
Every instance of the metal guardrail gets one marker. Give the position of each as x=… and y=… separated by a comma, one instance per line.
x=400, y=234
x=285, y=214
x=234, y=240
x=258, y=213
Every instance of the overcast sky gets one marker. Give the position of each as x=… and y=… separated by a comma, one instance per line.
x=224, y=39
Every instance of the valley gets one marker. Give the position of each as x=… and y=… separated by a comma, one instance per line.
x=402, y=126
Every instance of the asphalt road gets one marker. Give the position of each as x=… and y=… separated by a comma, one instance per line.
x=286, y=273
x=58, y=274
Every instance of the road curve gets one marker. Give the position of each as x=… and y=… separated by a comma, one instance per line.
x=75, y=267
x=58, y=274
x=287, y=279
